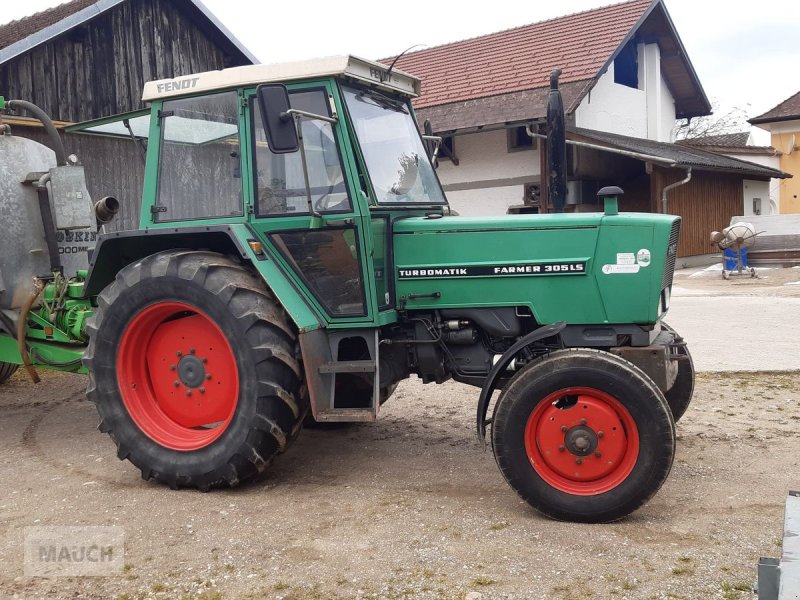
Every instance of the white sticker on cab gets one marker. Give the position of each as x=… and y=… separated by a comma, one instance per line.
x=626, y=258
x=617, y=269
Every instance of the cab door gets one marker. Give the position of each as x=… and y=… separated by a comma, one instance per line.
x=327, y=255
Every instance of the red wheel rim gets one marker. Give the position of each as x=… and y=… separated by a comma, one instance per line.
x=177, y=376
x=582, y=441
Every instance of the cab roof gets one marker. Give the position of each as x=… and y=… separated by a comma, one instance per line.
x=349, y=67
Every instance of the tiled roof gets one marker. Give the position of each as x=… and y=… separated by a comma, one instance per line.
x=785, y=111
x=522, y=58
x=729, y=143
x=18, y=30
x=680, y=154
x=528, y=105
x=724, y=139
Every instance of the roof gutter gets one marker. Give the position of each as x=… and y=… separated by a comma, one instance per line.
x=671, y=187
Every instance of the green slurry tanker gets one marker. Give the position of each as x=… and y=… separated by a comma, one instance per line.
x=296, y=259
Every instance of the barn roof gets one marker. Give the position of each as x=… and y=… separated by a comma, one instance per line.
x=23, y=35
x=504, y=76
x=680, y=154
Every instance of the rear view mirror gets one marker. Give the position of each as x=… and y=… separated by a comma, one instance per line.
x=279, y=126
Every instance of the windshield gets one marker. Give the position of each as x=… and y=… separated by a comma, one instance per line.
x=398, y=166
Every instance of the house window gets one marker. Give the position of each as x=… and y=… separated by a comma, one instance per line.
x=447, y=148
x=626, y=66
x=518, y=139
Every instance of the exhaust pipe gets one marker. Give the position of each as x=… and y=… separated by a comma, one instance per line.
x=105, y=210
x=556, y=146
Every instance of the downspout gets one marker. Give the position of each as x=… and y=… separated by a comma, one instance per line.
x=672, y=186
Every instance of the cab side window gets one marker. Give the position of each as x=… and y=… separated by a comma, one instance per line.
x=199, y=174
x=280, y=188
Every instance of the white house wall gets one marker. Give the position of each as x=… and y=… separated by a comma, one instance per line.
x=488, y=178
x=647, y=113
x=485, y=201
x=773, y=191
x=667, y=132
x=613, y=108
x=757, y=189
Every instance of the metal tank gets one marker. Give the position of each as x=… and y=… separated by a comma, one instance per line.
x=23, y=246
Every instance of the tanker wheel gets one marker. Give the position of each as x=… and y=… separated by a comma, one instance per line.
x=193, y=368
x=680, y=394
x=7, y=370
x=583, y=435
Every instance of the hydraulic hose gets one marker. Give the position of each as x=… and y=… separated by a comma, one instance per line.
x=38, y=286
x=47, y=123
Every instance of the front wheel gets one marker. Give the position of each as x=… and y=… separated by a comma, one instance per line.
x=193, y=368
x=583, y=435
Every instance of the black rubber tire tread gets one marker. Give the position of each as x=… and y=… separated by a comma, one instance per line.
x=7, y=370
x=270, y=408
x=679, y=396
x=605, y=372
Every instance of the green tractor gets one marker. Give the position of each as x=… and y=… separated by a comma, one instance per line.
x=296, y=259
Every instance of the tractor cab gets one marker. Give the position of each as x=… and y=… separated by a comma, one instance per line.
x=316, y=166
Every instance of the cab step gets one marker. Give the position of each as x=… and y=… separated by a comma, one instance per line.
x=348, y=366
x=346, y=415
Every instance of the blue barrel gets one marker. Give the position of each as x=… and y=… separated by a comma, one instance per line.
x=732, y=258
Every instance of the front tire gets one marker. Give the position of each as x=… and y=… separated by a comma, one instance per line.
x=583, y=435
x=193, y=369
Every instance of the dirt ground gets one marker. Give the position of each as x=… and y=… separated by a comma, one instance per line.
x=408, y=507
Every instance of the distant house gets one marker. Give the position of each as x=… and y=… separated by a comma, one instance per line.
x=89, y=59
x=783, y=122
x=625, y=79
x=760, y=197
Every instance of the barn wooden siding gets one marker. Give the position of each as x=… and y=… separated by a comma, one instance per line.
x=705, y=204
x=99, y=69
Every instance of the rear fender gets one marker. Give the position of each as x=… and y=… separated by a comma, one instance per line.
x=116, y=250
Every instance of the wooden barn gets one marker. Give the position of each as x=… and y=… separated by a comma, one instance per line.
x=87, y=60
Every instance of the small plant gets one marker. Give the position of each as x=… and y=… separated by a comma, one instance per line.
x=629, y=585
x=482, y=580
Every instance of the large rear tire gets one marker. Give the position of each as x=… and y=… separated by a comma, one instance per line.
x=7, y=370
x=583, y=435
x=679, y=396
x=193, y=368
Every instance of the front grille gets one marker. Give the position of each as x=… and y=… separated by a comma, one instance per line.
x=672, y=254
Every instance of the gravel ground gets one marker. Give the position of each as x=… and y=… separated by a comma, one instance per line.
x=742, y=324
x=407, y=507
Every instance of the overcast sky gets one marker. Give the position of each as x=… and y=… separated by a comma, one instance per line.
x=747, y=55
